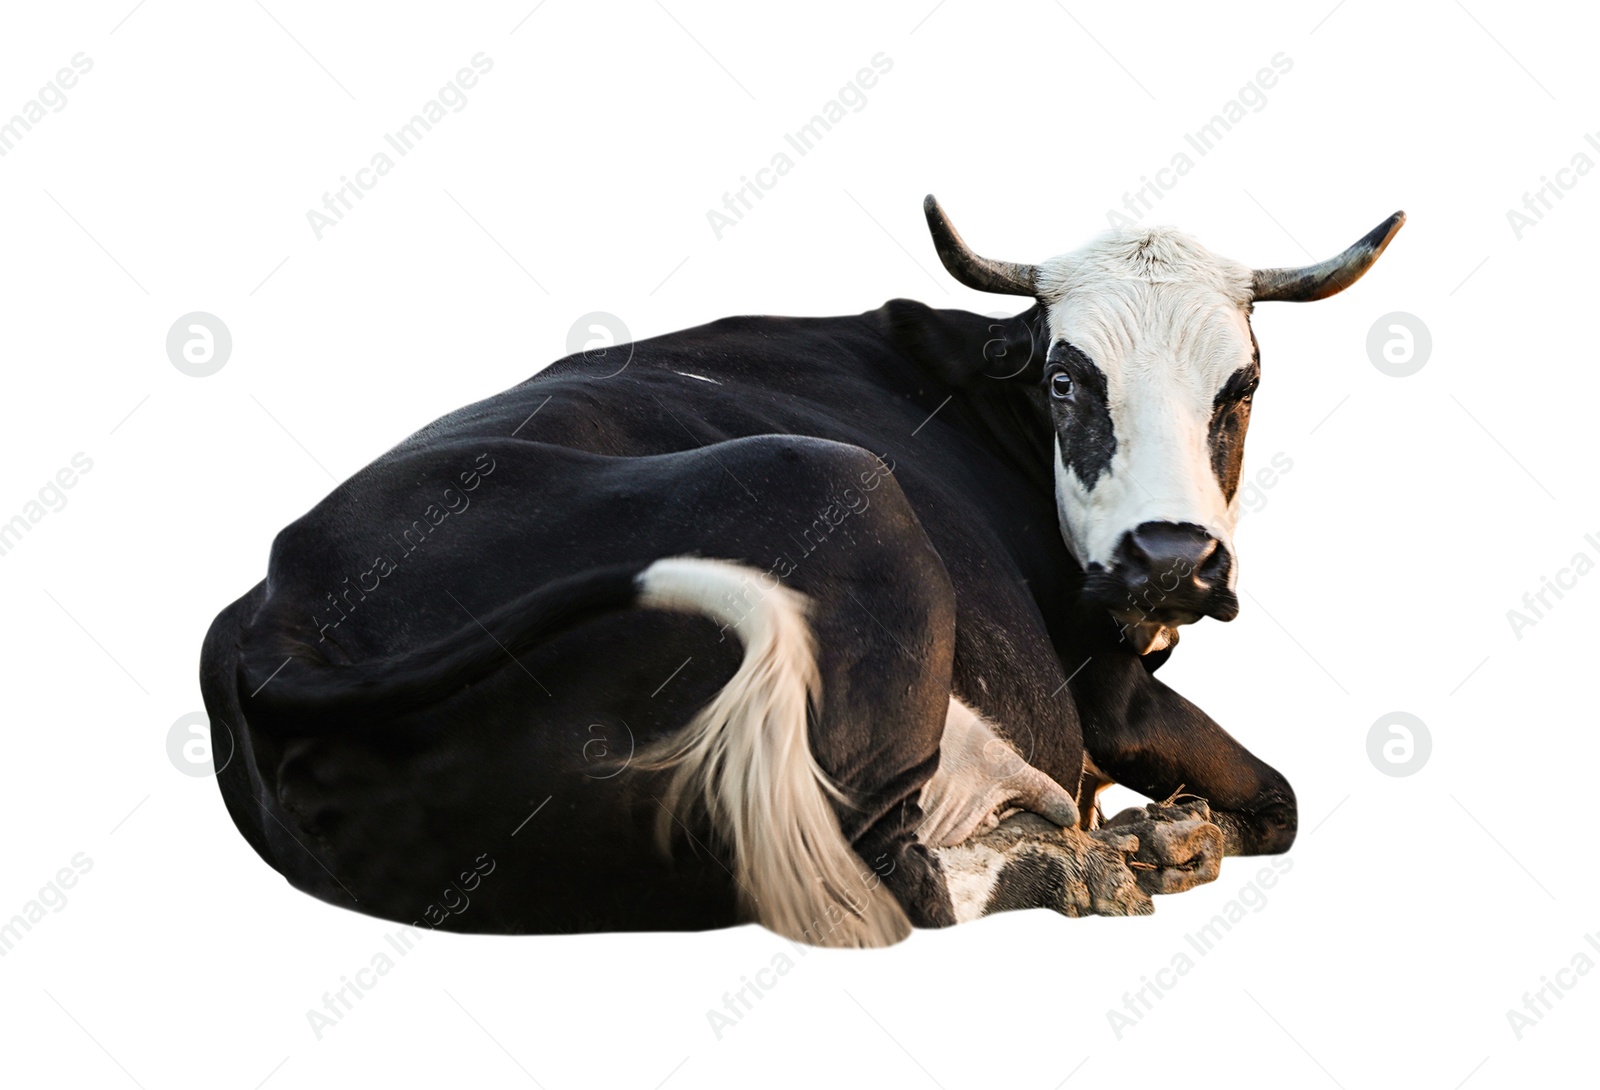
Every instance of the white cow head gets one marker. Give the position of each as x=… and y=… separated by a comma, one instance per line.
x=1148, y=380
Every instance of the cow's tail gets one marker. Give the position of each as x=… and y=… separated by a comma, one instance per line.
x=746, y=761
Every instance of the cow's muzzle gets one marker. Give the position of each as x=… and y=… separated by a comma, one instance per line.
x=1165, y=574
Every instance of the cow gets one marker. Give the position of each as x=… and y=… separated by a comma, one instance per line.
x=837, y=625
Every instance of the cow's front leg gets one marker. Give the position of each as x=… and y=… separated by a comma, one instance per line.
x=1141, y=734
x=1027, y=862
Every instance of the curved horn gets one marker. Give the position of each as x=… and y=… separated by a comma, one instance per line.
x=980, y=273
x=1330, y=277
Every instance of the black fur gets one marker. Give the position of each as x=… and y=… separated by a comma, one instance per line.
x=1083, y=418
x=1230, y=419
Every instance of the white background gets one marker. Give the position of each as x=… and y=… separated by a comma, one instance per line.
x=1377, y=576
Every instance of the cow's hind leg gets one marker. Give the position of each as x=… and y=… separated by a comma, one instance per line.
x=1026, y=862
x=828, y=545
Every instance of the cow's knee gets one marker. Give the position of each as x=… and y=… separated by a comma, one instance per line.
x=1264, y=823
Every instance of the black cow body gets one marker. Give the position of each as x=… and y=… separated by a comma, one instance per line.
x=436, y=697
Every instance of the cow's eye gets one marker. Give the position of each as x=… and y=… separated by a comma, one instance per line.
x=1061, y=385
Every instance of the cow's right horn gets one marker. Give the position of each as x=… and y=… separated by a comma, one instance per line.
x=980, y=273
x=1328, y=277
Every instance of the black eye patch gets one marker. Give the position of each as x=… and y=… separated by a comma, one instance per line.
x=1083, y=420
x=1241, y=384
x=1065, y=356
x=1230, y=419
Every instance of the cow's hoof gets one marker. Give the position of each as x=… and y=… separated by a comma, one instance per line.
x=1109, y=885
x=1179, y=847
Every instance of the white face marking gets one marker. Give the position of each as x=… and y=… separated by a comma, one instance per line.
x=1166, y=322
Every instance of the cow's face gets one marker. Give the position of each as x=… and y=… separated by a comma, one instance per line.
x=1149, y=377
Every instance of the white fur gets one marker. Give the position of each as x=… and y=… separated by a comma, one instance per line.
x=970, y=874
x=746, y=760
x=1167, y=322
x=981, y=780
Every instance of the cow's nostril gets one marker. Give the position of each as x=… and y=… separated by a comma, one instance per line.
x=1214, y=569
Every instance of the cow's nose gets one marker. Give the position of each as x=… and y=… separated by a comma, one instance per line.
x=1176, y=559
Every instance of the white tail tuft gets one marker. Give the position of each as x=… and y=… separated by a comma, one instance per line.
x=746, y=759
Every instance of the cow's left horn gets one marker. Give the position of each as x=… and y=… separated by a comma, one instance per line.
x=1330, y=277
x=980, y=273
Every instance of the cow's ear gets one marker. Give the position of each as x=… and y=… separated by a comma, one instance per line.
x=962, y=348
x=1016, y=347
